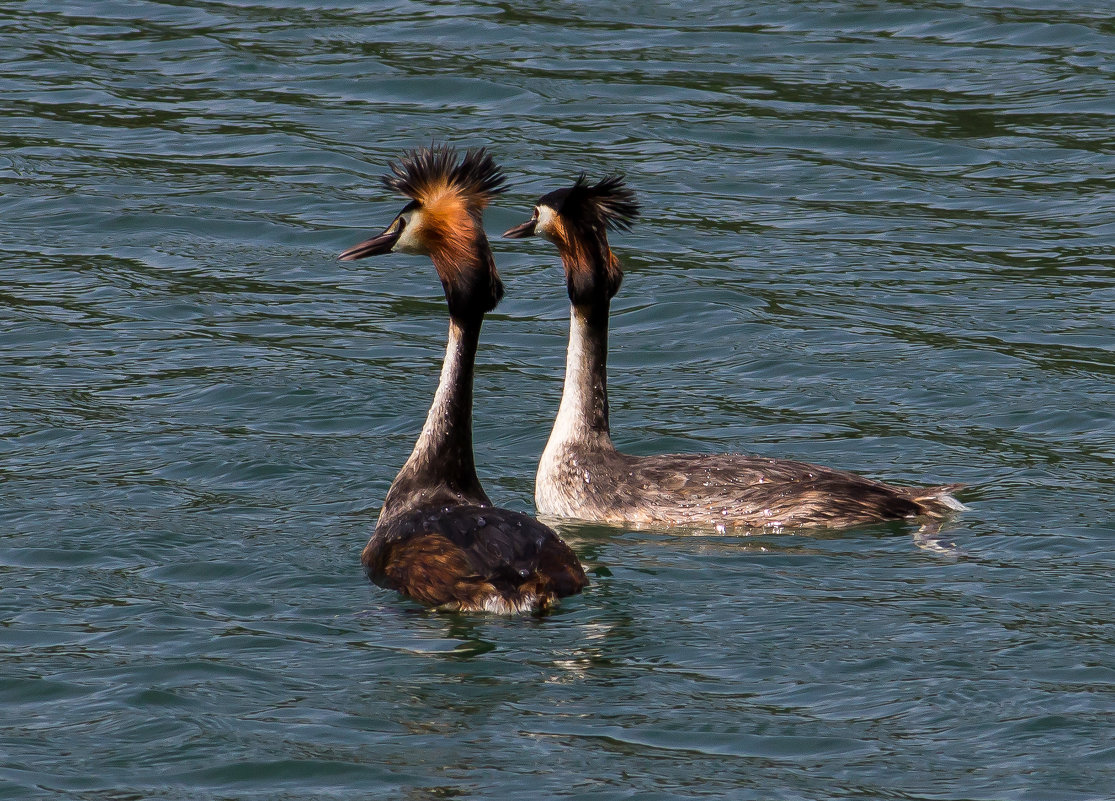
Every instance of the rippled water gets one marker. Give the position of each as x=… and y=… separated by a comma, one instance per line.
x=878, y=236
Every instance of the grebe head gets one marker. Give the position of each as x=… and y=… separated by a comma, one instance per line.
x=443, y=220
x=576, y=219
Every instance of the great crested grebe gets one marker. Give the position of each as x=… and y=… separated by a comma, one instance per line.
x=582, y=475
x=438, y=539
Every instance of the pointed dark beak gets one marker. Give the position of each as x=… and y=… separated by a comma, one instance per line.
x=522, y=231
x=374, y=246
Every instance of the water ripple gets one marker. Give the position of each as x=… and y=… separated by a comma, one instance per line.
x=877, y=237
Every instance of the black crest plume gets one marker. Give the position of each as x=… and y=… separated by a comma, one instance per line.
x=609, y=201
x=431, y=171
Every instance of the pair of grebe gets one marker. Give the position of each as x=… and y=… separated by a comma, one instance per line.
x=439, y=540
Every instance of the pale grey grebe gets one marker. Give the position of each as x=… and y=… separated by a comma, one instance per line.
x=582, y=475
x=438, y=539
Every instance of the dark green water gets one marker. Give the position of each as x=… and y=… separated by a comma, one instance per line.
x=877, y=236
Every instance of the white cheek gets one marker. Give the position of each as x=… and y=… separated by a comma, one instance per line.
x=544, y=226
x=409, y=242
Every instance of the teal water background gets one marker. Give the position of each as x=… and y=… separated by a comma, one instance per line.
x=879, y=236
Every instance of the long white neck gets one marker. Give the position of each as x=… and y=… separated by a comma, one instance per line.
x=448, y=427
x=441, y=466
x=583, y=414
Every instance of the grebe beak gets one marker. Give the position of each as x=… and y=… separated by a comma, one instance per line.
x=522, y=231
x=376, y=245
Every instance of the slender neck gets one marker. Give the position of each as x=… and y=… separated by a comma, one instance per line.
x=583, y=414
x=446, y=440
x=441, y=466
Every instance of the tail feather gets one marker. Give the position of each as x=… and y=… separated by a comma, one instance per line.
x=938, y=500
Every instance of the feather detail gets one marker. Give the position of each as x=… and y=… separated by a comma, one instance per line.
x=608, y=202
x=433, y=175
x=582, y=215
x=450, y=192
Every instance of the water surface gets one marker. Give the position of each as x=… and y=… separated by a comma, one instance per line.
x=874, y=236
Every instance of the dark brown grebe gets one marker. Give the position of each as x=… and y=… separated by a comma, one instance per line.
x=582, y=475
x=438, y=539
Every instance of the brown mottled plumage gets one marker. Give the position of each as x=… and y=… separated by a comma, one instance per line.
x=438, y=539
x=582, y=475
